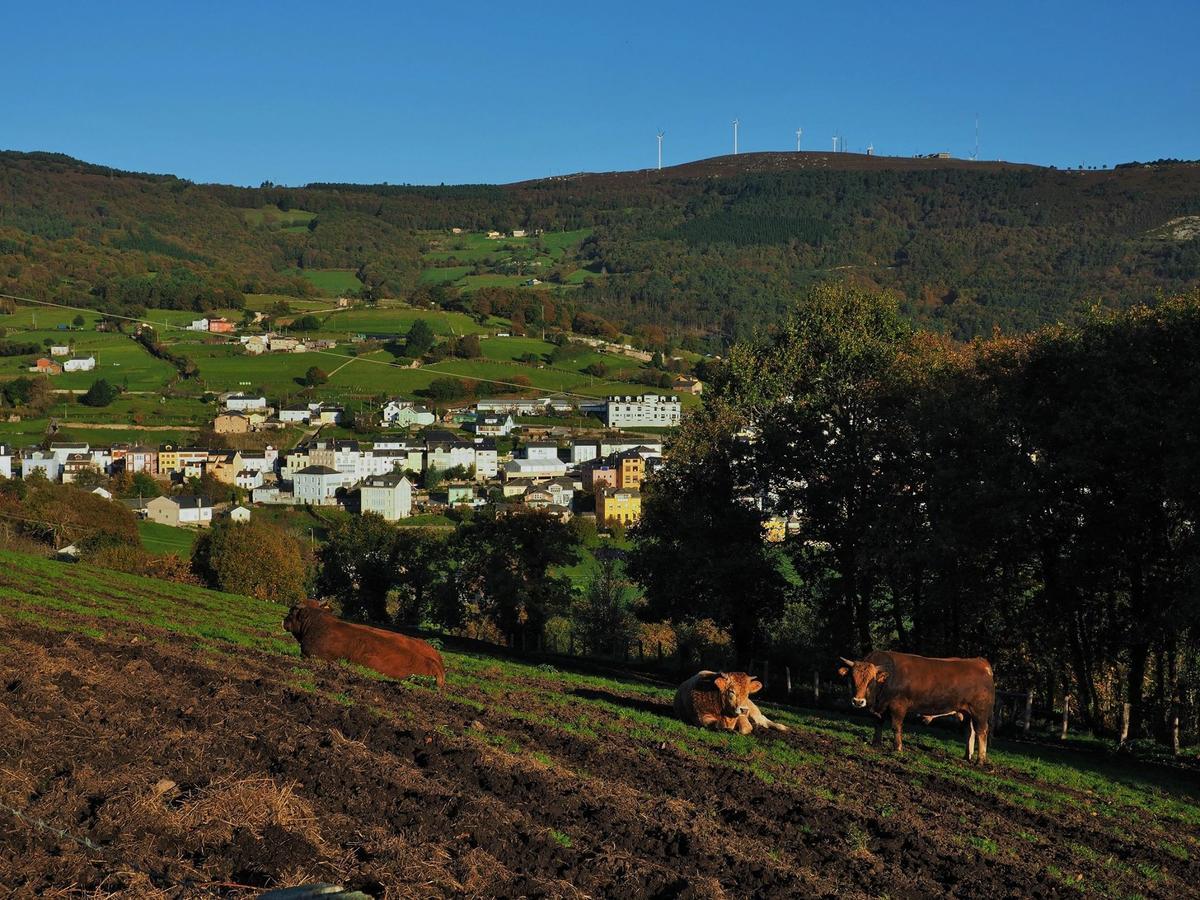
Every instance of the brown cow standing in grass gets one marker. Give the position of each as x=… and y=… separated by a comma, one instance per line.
x=324, y=636
x=901, y=683
x=721, y=701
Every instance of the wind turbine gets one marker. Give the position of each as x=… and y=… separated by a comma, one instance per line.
x=835, y=143
x=735, y=128
x=660, y=137
x=799, y=134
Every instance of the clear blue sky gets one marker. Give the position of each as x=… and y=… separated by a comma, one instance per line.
x=403, y=92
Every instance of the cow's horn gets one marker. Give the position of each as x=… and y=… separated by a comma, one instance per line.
x=848, y=662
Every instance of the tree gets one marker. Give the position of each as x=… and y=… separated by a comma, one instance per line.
x=307, y=323
x=315, y=377
x=604, y=615
x=443, y=390
x=504, y=568
x=101, y=393
x=79, y=321
x=419, y=339
x=254, y=558
x=359, y=565
x=698, y=550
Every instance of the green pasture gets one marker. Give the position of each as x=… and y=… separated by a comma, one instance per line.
x=274, y=216
x=1026, y=787
x=333, y=282
x=164, y=539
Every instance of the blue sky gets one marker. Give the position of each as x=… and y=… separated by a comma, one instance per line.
x=401, y=92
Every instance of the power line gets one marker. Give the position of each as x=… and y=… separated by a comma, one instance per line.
x=343, y=356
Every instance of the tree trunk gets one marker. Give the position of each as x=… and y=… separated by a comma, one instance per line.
x=1138, y=655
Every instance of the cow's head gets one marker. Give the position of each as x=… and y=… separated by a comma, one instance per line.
x=735, y=689
x=865, y=679
x=304, y=611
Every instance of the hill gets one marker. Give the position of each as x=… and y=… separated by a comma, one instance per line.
x=162, y=740
x=703, y=252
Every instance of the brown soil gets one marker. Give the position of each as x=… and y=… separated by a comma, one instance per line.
x=148, y=769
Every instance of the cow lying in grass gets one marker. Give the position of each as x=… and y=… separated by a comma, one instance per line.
x=324, y=636
x=721, y=701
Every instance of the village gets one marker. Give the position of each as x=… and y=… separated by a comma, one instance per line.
x=420, y=464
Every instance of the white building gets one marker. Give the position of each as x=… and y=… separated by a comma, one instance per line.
x=645, y=409
x=244, y=402
x=178, y=511
x=79, y=364
x=295, y=414
x=388, y=495
x=240, y=514
x=198, y=325
x=318, y=485
x=248, y=479
x=492, y=425
x=6, y=459
x=261, y=461
x=405, y=414
x=38, y=460
x=539, y=459
x=60, y=350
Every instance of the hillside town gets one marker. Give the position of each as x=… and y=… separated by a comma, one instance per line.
x=423, y=463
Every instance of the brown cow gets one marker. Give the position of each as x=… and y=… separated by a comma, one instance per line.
x=721, y=701
x=901, y=683
x=324, y=636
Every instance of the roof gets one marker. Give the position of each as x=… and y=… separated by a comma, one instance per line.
x=318, y=470
x=543, y=444
x=188, y=502
x=388, y=480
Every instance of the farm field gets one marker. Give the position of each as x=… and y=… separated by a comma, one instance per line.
x=266, y=769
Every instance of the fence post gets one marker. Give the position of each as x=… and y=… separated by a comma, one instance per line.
x=1066, y=715
x=660, y=653
x=787, y=678
x=1126, y=709
x=1028, y=711
x=816, y=687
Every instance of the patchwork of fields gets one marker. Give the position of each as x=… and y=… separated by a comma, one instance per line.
x=267, y=769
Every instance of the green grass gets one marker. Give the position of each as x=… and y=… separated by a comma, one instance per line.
x=331, y=282
x=1114, y=795
x=164, y=539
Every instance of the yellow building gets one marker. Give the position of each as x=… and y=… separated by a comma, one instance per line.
x=618, y=506
x=631, y=470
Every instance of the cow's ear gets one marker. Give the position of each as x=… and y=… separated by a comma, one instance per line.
x=843, y=671
x=755, y=686
x=881, y=677
x=721, y=682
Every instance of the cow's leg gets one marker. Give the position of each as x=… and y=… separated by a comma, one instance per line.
x=758, y=720
x=898, y=728
x=711, y=721
x=970, y=739
x=742, y=725
x=878, y=739
x=984, y=733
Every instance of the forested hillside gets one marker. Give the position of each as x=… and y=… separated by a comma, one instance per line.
x=706, y=252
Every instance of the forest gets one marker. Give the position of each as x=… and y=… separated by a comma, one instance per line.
x=706, y=253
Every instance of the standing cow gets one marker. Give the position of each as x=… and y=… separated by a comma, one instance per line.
x=897, y=684
x=324, y=636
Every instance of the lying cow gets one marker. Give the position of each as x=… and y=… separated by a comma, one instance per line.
x=721, y=701
x=324, y=636
x=897, y=684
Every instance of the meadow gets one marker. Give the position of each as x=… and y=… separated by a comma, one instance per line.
x=521, y=777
